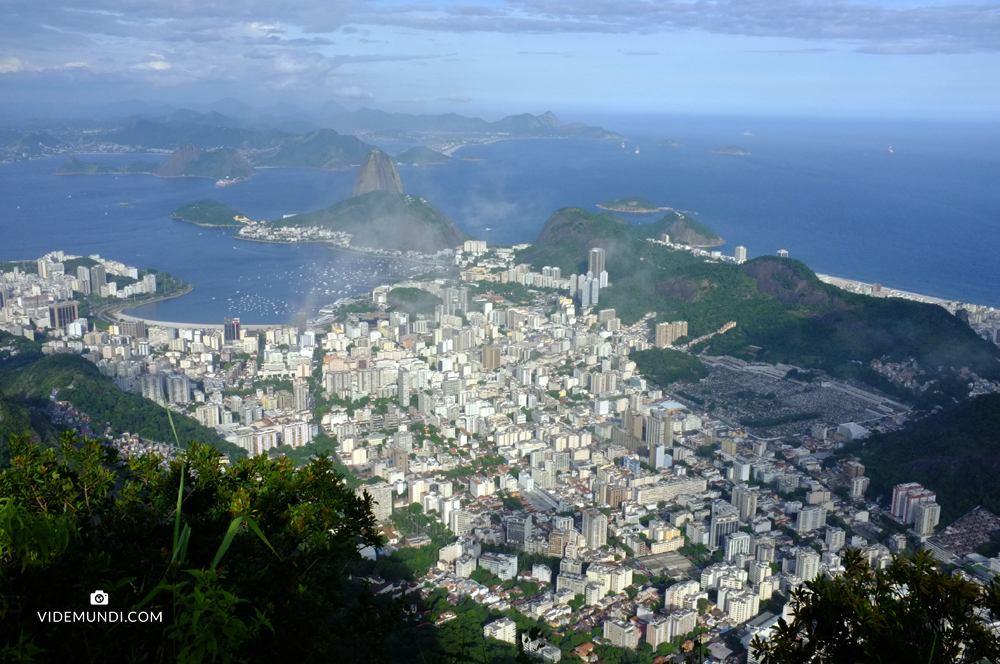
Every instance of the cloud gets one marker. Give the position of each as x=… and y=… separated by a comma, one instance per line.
x=155, y=65
x=411, y=100
x=858, y=25
x=12, y=65
x=458, y=99
x=642, y=52
x=352, y=92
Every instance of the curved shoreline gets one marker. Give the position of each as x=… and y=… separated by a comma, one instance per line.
x=114, y=313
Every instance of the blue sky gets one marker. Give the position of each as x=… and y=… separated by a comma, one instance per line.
x=902, y=58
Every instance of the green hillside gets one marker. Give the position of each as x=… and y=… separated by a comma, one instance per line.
x=783, y=312
x=954, y=452
x=28, y=379
x=381, y=220
x=664, y=366
x=420, y=156
x=324, y=149
x=207, y=212
x=15, y=420
x=222, y=164
x=74, y=166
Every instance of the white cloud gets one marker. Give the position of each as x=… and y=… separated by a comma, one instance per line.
x=458, y=99
x=12, y=65
x=158, y=65
x=352, y=92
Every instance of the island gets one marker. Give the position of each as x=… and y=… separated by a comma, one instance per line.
x=733, y=150
x=633, y=205
x=667, y=143
x=420, y=156
x=207, y=212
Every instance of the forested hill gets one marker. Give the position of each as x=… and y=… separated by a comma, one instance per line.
x=783, y=312
x=28, y=378
x=954, y=452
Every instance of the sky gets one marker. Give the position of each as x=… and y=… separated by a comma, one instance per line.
x=892, y=58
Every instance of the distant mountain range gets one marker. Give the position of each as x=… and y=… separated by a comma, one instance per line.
x=283, y=135
x=222, y=164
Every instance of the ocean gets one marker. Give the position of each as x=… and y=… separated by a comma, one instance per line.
x=923, y=218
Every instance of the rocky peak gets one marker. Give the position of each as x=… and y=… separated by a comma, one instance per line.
x=377, y=173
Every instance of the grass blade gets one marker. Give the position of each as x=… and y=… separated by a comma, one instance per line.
x=226, y=541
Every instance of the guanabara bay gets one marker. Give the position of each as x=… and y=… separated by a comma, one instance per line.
x=499, y=333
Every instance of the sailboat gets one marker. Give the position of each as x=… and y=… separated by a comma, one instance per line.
x=637, y=149
x=623, y=145
x=890, y=149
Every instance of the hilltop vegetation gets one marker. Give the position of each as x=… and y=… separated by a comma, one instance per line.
x=954, y=452
x=74, y=166
x=207, y=212
x=324, y=149
x=784, y=313
x=420, y=156
x=413, y=301
x=664, y=365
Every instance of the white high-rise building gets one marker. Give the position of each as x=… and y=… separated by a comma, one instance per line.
x=928, y=515
x=504, y=629
x=741, y=255
x=595, y=528
x=806, y=565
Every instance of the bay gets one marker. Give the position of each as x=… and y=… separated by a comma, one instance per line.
x=924, y=217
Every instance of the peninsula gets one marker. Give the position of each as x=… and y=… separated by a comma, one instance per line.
x=207, y=212
x=633, y=205
x=420, y=156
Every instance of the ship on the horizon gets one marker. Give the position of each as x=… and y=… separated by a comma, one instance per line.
x=637, y=149
x=890, y=149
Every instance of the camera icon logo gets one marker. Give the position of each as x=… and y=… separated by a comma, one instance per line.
x=99, y=598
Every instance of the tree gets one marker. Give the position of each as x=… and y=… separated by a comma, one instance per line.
x=250, y=562
x=910, y=611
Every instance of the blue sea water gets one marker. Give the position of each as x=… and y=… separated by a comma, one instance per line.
x=924, y=218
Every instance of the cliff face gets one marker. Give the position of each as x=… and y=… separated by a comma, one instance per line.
x=174, y=165
x=685, y=230
x=377, y=173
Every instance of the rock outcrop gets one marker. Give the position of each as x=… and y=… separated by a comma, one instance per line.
x=377, y=173
x=174, y=165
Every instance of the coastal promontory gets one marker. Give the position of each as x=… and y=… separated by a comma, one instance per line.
x=207, y=212
x=420, y=156
x=384, y=220
x=633, y=205
x=682, y=229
